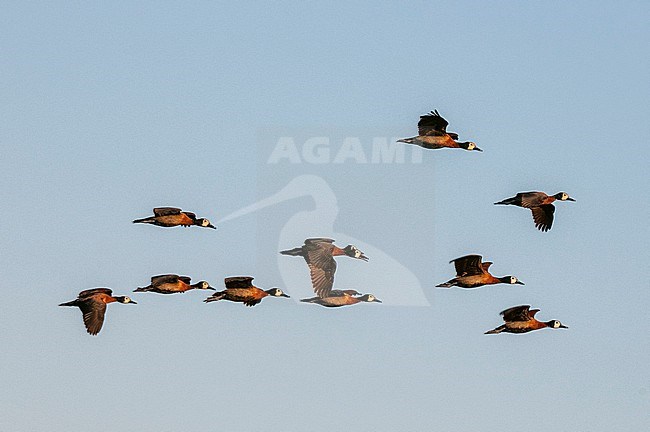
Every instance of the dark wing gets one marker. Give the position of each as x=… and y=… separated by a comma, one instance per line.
x=93, y=291
x=252, y=302
x=486, y=266
x=319, y=240
x=239, y=282
x=93, y=312
x=531, y=199
x=468, y=265
x=532, y=313
x=166, y=211
x=185, y=279
x=543, y=216
x=322, y=267
x=160, y=279
x=432, y=124
x=517, y=313
x=190, y=215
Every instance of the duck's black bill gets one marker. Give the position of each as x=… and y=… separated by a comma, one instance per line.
x=520, y=283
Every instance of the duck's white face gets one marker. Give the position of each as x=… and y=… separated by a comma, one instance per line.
x=204, y=285
x=565, y=196
x=513, y=280
x=205, y=222
x=357, y=253
x=557, y=324
x=127, y=300
x=371, y=298
x=278, y=293
x=471, y=146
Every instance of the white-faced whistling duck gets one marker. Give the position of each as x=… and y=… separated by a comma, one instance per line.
x=172, y=216
x=240, y=289
x=171, y=283
x=92, y=303
x=520, y=319
x=472, y=273
x=338, y=298
x=432, y=134
x=319, y=254
x=540, y=204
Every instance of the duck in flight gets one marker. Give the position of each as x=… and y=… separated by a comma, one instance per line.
x=338, y=298
x=241, y=289
x=520, y=319
x=319, y=254
x=540, y=204
x=432, y=134
x=172, y=216
x=92, y=303
x=472, y=273
x=171, y=283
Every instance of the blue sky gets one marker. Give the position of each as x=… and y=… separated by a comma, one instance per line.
x=111, y=109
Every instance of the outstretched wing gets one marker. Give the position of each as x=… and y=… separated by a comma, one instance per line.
x=166, y=211
x=517, y=314
x=468, y=265
x=239, y=282
x=93, y=313
x=432, y=124
x=543, y=216
x=321, y=264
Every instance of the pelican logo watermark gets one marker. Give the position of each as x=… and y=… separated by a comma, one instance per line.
x=289, y=219
x=324, y=150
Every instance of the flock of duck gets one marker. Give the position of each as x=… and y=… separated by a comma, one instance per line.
x=319, y=253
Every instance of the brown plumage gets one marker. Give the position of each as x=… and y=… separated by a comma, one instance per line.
x=520, y=319
x=171, y=283
x=472, y=273
x=92, y=303
x=338, y=298
x=172, y=216
x=540, y=204
x=319, y=254
x=241, y=289
x=432, y=134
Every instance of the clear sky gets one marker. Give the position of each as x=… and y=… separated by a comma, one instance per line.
x=112, y=108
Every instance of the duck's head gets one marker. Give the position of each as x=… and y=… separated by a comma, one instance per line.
x=352, y=251
x=205, y=223
x=555, y=324
x=469, y=145
x=204, y=286
x=276, y=292
x=511, y=280
x=369, y=298
x=563, y=196
x=124, y=299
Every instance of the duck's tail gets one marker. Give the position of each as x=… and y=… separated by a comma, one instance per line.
x=145, y=220
x=143, y=289
x=215, y=297
x=293, y=252
x=496, y=330
x=448, y=284
x=406, y=140
x=70, y=303
x=508, y=201
x=309, y=300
